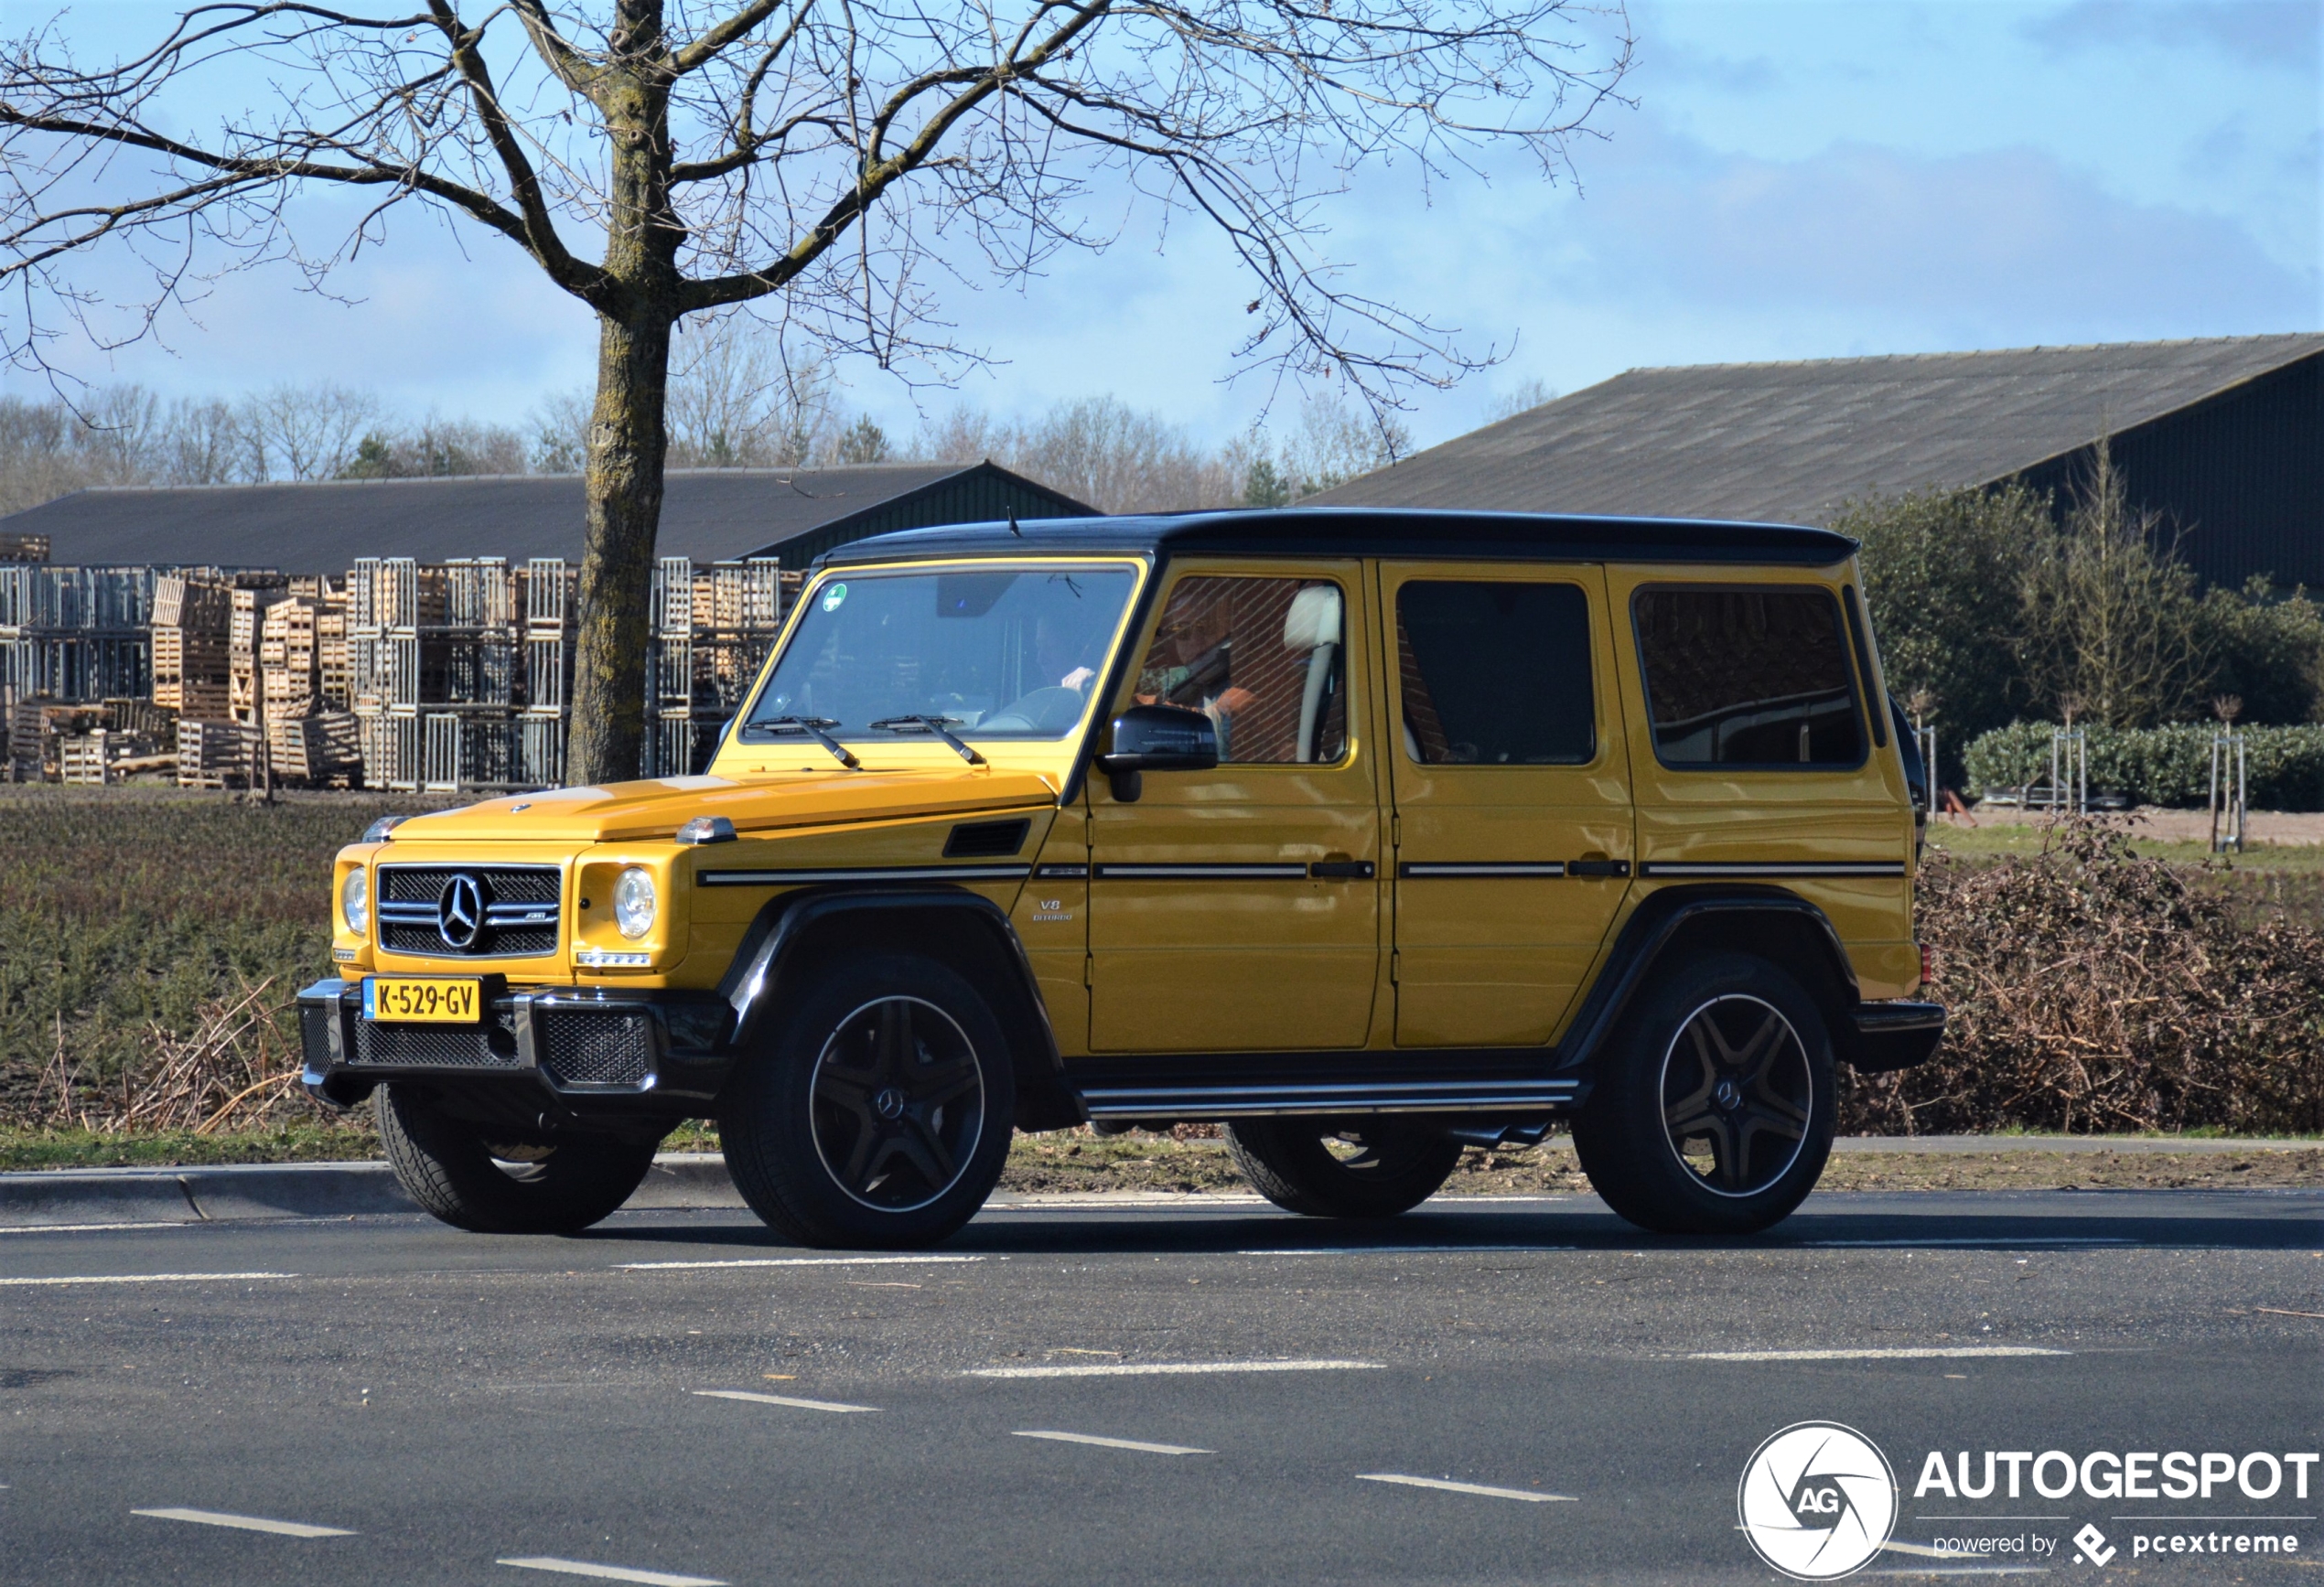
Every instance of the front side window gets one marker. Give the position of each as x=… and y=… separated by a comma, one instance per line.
x=1747, y=676
x=1495, y=673
x=1264, y=659
x=999, y=652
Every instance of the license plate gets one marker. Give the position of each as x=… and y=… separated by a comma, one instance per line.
x=441, y=1000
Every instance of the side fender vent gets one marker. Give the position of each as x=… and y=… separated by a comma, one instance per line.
x=986, y=840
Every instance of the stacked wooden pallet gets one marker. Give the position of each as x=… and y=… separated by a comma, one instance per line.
x=192, y=620
x=215, y=753
x=322, y=750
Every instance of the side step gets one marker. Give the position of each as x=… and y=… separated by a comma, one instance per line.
x=1200, y=1089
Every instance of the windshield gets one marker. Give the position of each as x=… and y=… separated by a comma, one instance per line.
x=999, y=652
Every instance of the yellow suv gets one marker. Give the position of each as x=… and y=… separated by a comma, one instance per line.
x=1366, y=834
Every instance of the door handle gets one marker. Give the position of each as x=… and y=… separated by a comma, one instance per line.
x=1342, y=869
x=1597, y=867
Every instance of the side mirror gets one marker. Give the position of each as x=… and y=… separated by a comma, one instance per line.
x=1158, y=738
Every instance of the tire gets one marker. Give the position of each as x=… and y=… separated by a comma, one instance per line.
x=879, y=1115
x=447, y=1166
x=1713, y=1113
x=1305, y=1165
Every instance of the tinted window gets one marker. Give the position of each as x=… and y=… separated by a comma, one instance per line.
x=1748, y=677
x=1496, y=674
x=1264, y=659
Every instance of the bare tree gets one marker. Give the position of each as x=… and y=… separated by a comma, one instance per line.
x=303, y=431
x=738, y=400
x=826, y=157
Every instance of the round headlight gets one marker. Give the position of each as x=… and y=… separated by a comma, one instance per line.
x=355, y=901
x=633, y=901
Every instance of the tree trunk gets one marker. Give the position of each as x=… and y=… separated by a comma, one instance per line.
x=627, y=438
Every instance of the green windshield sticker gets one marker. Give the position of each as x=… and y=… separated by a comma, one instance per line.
x=832, y=596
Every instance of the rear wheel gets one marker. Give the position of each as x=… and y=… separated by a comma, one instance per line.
x=1343, y=1168
x=1714, y=1114
x=880, y=1115
x=457, y=1174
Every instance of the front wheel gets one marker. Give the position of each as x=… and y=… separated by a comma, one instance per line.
x=1714, y=1113
x=880, y=1115
x=1355, y=1168
x=458, y=1174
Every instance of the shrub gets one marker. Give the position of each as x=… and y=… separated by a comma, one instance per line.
x=2284, y=767
x=2090, y=990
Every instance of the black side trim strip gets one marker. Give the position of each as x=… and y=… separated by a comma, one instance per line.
x=1061, y=872
x=863, y=873
x=1221, y=872
x=1422, y=870
x=1773, y=868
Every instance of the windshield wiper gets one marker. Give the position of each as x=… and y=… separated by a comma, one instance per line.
x=811, y=727
x=938, y=725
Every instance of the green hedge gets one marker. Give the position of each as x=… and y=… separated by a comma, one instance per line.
x=2284, y=767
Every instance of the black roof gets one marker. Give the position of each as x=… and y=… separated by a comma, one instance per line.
x=1372, y=532
x=322, y=526
x=1791, y=442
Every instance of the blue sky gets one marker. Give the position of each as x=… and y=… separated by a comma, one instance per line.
x=1798, y=179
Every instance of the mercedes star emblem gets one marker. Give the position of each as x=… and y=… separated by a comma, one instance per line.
x=459, y=911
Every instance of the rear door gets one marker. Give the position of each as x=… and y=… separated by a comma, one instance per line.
x=1510, y=781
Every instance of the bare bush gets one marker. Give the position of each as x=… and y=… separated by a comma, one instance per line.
x=233, y=1071
x=2093, y=990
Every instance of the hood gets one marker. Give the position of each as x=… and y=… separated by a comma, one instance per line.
x=657, y=807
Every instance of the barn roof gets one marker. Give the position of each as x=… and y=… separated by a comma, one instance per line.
x=1790, y=442
x=709, y=514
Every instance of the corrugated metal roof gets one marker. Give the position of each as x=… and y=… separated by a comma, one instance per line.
x=708, y=514
x=1790, y=442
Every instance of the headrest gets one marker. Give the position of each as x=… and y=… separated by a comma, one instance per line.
x=1314, y=618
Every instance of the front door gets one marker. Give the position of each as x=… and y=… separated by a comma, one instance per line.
x=1511, y=797
x=1238, y=909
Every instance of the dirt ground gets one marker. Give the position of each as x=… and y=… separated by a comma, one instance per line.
x=1079, y=1162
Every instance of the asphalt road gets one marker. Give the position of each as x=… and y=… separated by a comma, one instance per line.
x=448, y=1403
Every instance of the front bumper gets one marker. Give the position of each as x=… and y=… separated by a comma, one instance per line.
x=586, y=1050
x=1893, y=1035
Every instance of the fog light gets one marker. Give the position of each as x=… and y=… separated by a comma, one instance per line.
x=633, y=901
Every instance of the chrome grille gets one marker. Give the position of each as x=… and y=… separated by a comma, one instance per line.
x=521, y=905
x=599, y=1049
x=492, y=1046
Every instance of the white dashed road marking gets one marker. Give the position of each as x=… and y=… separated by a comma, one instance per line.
x=1407, y=1251
x=145, y=1278
x=1915, y=1353
x=2013, y=1243
x=247, y=1523
x=611, y=1572
x=1478, y=1488
x=1116, y=1442
x=92, y=1227
x=1171, y=1369
x=792, y=1262
x=780, y=1399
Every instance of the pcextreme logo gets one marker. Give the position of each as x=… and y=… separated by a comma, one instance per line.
x=1817, y=1500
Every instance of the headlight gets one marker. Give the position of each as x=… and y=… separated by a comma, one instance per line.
x=355, y=901
x=633, y=902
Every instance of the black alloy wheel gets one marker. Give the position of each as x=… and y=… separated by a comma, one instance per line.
x=898, y=1104
x=1712, y=1111
x=876, y=1114
x=1737, y=1093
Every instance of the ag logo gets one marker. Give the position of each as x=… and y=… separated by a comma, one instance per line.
x=1817, y=1500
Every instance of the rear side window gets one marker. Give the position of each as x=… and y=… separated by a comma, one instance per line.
x=1495, y=674
x=1748, y=677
